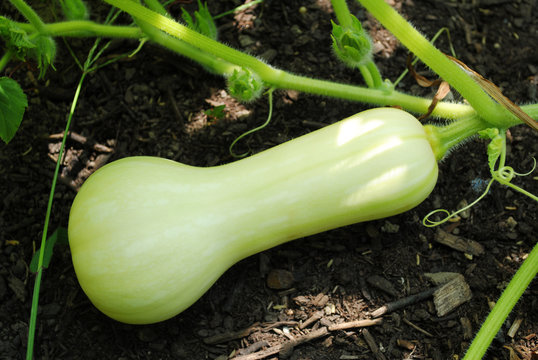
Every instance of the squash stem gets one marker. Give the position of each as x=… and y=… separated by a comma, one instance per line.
x=342, y=12
x=30, y=15
x=4, y=60
x=488, y=109
x=281, y=79
x=443, y=138
x=84, y=28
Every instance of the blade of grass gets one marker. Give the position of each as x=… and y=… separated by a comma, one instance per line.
x=37, y=286
x=87, y=68
x=510, y=296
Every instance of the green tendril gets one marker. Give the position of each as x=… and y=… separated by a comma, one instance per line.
x=269, y=116
x=503, y=175
x=429, y=223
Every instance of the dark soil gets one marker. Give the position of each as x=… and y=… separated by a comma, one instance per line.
x=154, y=103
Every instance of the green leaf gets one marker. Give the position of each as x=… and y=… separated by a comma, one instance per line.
x=13, y=102
x=495, y=146
x=74, y=9
x=59, y=236
x=16, y=39
x=216, y=113
x=203, y=22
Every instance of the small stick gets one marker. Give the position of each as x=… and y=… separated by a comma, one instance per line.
x=82, y=140
x=515, y=327
x=400, y=303
x=312, y=319
x=260, y=354
x=286, y=348
x=406, y=344
x=355, y=324
x=252, y=348
x=382, y=284
x=417, y=328
x=314, y=124
x=269, y=326
x=233, y=335
x=171, y=99
x=372, y=345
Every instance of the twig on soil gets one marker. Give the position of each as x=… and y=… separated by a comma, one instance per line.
x=285, y=349
x=382, y=284
x=514, y=327
x=312, y=319
x=233, y=335
x=416, y=327
x=313, y=124
x=82, y=140
x=173, y=104
x=406, y=344
x=400, y=303
x=252, y=348
x=373, y=345
x=355, y=324
x=89, y=168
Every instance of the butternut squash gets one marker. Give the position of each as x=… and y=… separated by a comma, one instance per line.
x=149, y=236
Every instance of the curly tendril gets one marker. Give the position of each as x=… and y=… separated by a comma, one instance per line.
x=430, y=223
x=269, y=116
x=503, y=175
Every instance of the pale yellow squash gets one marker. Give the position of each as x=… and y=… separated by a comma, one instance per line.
x=149, y=236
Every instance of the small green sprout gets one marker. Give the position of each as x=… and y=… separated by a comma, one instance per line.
x=216, y=113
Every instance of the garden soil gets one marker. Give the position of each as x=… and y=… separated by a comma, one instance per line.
x=284, y=303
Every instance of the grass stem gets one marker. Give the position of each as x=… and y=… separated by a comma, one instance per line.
x=524, y=275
